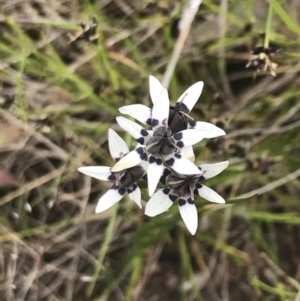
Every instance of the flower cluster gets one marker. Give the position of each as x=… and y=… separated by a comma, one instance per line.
x=163, y=154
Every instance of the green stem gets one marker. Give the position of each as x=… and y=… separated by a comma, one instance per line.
x=104, y=248
x=268, y=26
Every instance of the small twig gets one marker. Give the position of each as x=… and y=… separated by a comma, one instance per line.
x=222, y=54
x=124, y=7
x=149, y=269
x=290, y=177
x=29, y=279
x=279, y=272
x=11, y=272
x=187, y=18
x=18, y=123
x=264, y=131
x=264, y=87
x=33, y=184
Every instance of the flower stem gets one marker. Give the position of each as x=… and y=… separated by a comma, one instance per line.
x=103, y=250
x=268, y=26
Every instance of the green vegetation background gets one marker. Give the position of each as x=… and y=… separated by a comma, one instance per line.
x=58, y=100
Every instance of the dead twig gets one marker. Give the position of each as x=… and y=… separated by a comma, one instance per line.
x=264, y=131
x=188, y=16
x=290, y=177
x=33, y=184
x=279, y=272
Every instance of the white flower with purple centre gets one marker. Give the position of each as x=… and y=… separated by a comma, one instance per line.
x=185, y=188
x=178, y=119
x=124, y=181
x=159, y=144
x=168, y=141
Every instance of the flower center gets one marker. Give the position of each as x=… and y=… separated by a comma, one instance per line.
x=126, y=178
x=162, y=143
x=177, y=117
x=182, y=185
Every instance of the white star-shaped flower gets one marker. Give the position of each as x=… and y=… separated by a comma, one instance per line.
x=158, y=144
x=124, y=181
x=183, y=188
x=178, y=118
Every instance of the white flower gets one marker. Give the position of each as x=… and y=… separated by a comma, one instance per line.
x=178, y=118
x=124, y=181
x=158, y=144
x=184, y=188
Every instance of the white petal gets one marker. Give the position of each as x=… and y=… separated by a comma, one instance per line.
x=137, y=111
x=182, y=165
x=134, y=129
x=160, y=111
x=188, y=153
x=191, y=95
x=211, y=170
x=188, y=137
x=97, y=172
x=208, y=130
x=154, y=173
x=117, y=146
x=189, y=215
x=136, y=196
x=111, y=197
x=145, y=165
x=210, y=195
x=159, y=203
x=155, y=88
x=131, y=159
